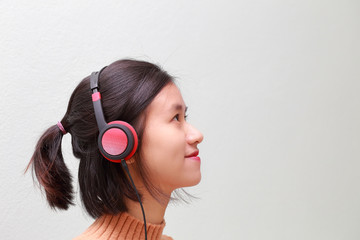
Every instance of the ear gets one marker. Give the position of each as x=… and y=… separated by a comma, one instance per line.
x=130, y=161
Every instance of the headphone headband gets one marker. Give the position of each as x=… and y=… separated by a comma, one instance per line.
x=94, y=79
x=96, y=98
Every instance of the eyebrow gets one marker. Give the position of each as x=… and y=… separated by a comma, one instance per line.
x=177, y=107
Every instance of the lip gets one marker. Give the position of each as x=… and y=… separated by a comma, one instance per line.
x=194, y=156
x=197, y=158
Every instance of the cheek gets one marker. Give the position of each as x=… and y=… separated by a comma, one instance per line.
x=164, y=144
x=163, y=151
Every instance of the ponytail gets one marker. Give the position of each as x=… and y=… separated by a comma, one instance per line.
x=48, y=165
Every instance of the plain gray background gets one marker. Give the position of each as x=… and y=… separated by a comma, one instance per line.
x=273, y=85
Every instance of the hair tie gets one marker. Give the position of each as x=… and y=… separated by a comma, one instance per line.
x=61, y=127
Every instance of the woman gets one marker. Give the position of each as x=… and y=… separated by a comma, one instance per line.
x=128, y=128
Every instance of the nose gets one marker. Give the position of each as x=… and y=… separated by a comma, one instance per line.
x=193, y=135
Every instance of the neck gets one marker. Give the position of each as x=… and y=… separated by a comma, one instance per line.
x=154, y=210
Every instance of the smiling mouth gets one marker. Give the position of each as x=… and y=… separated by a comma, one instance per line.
x=194, y=156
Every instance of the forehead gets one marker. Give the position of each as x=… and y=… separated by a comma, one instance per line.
x=169, y=98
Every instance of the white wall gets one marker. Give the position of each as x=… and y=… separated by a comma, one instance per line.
x=273, y=85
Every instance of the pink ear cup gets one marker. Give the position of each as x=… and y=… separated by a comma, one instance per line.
x=114, y=141
x=121, y=143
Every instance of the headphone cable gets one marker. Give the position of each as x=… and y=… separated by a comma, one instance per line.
x=123, y=162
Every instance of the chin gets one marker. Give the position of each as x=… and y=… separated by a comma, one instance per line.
x=195, y=181
x=198, y=180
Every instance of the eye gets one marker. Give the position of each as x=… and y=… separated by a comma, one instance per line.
x=176, y=117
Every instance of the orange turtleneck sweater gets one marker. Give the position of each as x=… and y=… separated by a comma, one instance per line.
x=122, y=227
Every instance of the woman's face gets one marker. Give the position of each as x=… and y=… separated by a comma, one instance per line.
x=169, y=143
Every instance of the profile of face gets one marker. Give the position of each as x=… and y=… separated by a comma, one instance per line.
x=169, y=143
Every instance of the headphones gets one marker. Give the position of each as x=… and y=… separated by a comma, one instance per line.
x=117, y=139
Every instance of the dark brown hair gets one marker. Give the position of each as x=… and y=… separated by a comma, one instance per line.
x=127, y=88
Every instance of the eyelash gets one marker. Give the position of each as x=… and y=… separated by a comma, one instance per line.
x=177, y=117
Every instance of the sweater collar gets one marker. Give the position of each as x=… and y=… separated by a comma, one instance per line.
x=123, y=226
